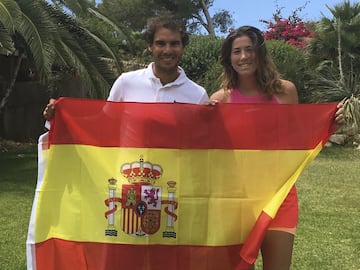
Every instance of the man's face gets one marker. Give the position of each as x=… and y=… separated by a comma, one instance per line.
x=167, y=50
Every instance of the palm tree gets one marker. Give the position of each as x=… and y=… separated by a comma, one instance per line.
x=337, y=38
x=49, y=33
x=336, y=52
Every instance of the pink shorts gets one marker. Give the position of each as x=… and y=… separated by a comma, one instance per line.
x=287, y=217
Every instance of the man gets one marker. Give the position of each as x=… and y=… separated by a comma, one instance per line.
x=163, y=80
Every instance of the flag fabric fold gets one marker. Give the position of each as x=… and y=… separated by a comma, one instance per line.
x=166, y=186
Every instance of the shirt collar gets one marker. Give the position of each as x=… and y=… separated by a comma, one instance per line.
x=181, y=79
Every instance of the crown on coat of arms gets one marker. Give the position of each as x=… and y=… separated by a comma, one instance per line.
x=141, y=172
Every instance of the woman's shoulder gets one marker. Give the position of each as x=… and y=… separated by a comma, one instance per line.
x=288, y=93
x=287, y=85
x=221, y=95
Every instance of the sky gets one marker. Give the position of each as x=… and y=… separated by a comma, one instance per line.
x=250, y=12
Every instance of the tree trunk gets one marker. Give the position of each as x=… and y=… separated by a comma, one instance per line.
x=210, y=26
x=339, y=50
x=12, y=83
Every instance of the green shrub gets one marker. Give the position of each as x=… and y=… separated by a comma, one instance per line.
x=200, y=60
x=290, y=61
x=211, y=81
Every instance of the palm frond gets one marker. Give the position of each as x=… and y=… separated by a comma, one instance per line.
x=49, y=33
x=86, y=60
x=352, y=115
x=325, y=84
x=37, y=29
x=114, y=29
x=6, y=42
x=96, y=85
x=10, y=14
x=109, y=22
x=77, y=7
x=104, y=46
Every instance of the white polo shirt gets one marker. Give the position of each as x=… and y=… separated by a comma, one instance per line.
x=142, y=86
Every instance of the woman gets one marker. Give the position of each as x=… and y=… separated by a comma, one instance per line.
x=250, y=76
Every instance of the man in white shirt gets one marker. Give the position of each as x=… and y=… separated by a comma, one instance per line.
x=163, y=80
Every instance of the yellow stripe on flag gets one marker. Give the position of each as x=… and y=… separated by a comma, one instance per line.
x=218, y=202
x=272, y=207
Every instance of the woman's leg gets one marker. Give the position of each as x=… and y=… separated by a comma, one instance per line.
x=276, y=250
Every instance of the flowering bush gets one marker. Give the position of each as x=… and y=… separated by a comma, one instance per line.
x=294, y=32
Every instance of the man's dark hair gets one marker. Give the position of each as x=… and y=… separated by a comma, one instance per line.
x=168, y=21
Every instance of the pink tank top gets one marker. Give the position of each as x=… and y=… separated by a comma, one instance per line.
x=237, y=97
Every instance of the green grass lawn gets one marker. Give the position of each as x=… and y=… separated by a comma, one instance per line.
x=18, y=172
x=328, y=235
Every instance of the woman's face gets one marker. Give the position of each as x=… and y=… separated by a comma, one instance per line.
x=243, y=56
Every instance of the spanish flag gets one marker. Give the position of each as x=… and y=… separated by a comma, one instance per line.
x=153, y=186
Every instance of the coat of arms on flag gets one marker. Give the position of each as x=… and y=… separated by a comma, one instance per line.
x=141, y=201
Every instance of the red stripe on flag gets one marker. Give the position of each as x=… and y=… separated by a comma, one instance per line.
x=189, y=126
x=250, y=249
x=57, y=254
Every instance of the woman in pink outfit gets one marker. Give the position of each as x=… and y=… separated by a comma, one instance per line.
x=250, y=76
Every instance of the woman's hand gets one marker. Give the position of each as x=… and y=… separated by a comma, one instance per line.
x=339, y=114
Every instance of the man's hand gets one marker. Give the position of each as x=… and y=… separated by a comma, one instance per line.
x=49, y=110
x=212, y=102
